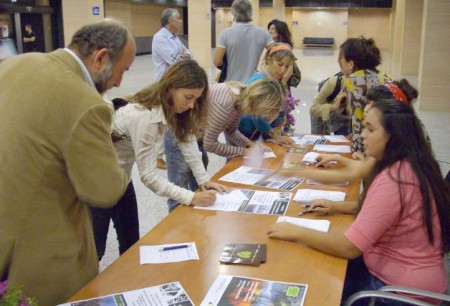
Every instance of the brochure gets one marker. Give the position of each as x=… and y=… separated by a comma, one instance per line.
x=234, y=290
x=162, y=295
x=263, y=177
x=252, y=201
x=244, y=254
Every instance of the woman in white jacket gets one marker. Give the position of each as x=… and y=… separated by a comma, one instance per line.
x=177, y=101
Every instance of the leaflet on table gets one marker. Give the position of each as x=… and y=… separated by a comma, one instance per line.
x=152, y=254
x=265, y=155
x=307, y=139
x=336, y=138
x=262, y=177
x=162, y=295
x=332, y=148
x=252, y=201
x=235, y=290
x=318, y=225
x=308, y=195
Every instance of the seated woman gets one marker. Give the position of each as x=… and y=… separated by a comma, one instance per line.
x=361, y=166
x=359, y=59
x=177, y=101
x=276, y=63
x=401, y=232
x=227, y=102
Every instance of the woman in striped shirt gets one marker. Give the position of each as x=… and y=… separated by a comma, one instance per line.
x=228, y=102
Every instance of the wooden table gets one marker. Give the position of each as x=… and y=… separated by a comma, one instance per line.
x=211, y=230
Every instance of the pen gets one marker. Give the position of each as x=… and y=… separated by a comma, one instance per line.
x=175, y=247
x=306, y=212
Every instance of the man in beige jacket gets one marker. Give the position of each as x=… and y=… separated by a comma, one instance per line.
x=56, y=155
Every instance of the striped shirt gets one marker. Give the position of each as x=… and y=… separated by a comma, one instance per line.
x=223, y=117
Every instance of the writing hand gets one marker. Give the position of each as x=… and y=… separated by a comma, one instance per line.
x=204, y=198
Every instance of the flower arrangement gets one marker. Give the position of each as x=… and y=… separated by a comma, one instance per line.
x=289, y=106
x=12, y=296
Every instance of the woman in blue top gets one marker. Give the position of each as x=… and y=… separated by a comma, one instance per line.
x=277, y=62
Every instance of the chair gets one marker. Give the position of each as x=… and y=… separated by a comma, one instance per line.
x=390, y=293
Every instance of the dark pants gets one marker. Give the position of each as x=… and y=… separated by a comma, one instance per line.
x=358, y=278
x=125, y=218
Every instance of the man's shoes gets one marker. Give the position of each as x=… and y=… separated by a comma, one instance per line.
x=161, y=164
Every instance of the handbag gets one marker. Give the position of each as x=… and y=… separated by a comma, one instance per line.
x=296, y=76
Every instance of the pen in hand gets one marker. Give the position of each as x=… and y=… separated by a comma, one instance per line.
x=306, y=212
x=175, y=247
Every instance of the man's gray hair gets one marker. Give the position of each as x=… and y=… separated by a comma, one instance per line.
x=167, y=14
x=107, y=33
x=242, y=10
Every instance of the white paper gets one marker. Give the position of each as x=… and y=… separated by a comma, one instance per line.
x=336, y=138
x=306, y=139
x=246, y=175
x=332, y=148
x=162, y=295
x=310, y=157
x=312, y=182
x=265, y=155
x=152, y=254
x=252, y=201
x=318, y=225
x=308, y=195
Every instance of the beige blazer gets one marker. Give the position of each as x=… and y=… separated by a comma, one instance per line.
x=55, y=155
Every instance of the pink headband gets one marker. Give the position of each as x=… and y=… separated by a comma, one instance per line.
x=397, y=93
x=278, y=48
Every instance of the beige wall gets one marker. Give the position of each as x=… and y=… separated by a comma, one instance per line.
x=412, y=33
x=78, y=13
x=434, y=67
x=371, y=23
x=319, y=23
x=141, y=19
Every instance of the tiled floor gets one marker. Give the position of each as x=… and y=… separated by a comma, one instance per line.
x=316, y=65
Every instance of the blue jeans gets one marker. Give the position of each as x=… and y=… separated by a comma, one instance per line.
x=125, y=218
x=358, y=278
x=178, y=171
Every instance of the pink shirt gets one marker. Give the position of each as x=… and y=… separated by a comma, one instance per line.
x=396, y=247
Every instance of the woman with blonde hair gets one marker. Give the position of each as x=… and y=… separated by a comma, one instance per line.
x=228, y=101
x=177, y=101
x=277, y=62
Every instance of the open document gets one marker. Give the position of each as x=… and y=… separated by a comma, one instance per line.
x=162, y=295
x=252, y=201
x=262, y=177
x=234, y=290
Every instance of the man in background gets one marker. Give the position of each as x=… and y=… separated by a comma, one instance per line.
x=29, y=39
x=242, y=44
x=56, y=155
x=167, y=49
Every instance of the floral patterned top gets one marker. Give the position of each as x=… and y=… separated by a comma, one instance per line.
x=357, y=85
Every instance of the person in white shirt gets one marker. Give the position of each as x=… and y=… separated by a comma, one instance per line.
x=177, y=101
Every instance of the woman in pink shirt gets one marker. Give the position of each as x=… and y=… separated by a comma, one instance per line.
x=401, y=232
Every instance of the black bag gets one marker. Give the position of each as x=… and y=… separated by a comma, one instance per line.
x=337, y=88
x=296, y=76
